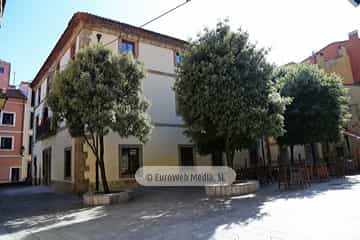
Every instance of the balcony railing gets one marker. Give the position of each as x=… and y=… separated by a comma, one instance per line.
x=46, y=129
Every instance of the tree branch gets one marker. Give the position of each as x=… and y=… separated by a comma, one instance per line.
x=94, y=150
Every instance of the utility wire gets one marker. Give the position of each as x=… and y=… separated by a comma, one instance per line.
x=165, y=13
x=53, y=69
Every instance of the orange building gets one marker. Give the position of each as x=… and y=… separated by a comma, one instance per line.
x=11, y=130
x=343, y=58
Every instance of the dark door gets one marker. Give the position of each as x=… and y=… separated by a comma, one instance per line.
x=186, y=156
x=15, y=174
x=47, y=166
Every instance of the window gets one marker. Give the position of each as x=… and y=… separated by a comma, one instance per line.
x=127, y=47
x=39, y=95
x=37, y=119
x=6, y=143
x=30, y=145
x=32, y=98
x=8, y=118
x=67, y=163
x=177, y=58
x=31, y=120
x=130, y=159
x=2, y=70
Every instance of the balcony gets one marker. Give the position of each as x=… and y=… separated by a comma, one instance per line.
x=46, y=129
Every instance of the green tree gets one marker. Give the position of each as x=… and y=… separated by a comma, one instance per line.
x=99, y=92
x=225, y=93
x=319, y=109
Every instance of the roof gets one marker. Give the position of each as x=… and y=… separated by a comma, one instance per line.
x=15, y=93
x=329, y=52
x=94, y=20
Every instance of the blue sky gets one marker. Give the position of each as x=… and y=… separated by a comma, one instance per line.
x=292, y=29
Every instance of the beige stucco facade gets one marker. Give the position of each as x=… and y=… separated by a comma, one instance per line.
x=157, y=53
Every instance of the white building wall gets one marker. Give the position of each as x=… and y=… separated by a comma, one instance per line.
x=27, y=132
x=158, y=90
x=156, y=58
x=58, y=144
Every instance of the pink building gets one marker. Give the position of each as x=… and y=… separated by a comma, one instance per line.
x=4, y=74
x=11, y=130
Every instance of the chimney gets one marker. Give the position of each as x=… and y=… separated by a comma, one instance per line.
x=354, y=35
x=320, y=59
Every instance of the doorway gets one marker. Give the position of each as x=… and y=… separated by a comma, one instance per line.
x=15, y=174
x=46, y=166
x=186, y=155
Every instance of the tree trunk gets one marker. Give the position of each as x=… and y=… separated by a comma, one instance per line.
x=313, y=153
x=102, y=165
x=263, y=151
x=268, y=150
x=229, y=158
x=292, y=154
x=97, y=167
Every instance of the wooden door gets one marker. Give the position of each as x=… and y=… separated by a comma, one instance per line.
x=47, y=166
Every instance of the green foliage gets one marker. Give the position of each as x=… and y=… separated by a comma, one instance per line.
x=100, y=91
x=319, y=109
x=225, y=93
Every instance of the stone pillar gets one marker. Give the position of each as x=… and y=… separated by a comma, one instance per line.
x=80, y=183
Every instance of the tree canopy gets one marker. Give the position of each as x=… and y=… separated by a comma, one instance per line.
x=319, y=109
x=225, y=93
x=98, y=92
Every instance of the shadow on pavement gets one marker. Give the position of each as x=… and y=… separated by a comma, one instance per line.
x=154, y=213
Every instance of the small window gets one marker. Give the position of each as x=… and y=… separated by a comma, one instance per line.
x=30, y=145
x=2, y=70
x=8, y=118
x=177, y=58
x=127, y=47
x=32, y=98
x=39, y=95
x=6, y=143
x=129, y=160
x=31, y=120
x=67, y=163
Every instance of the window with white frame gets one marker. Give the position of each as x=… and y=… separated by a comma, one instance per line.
x=7, y=118
x=127, y=47
x=6, y=142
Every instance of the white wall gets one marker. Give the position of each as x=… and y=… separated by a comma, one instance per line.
x=58, y=143
x=158, y=90
x=156, y=58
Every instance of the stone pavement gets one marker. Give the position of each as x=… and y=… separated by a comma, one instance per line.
x=326, y=210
